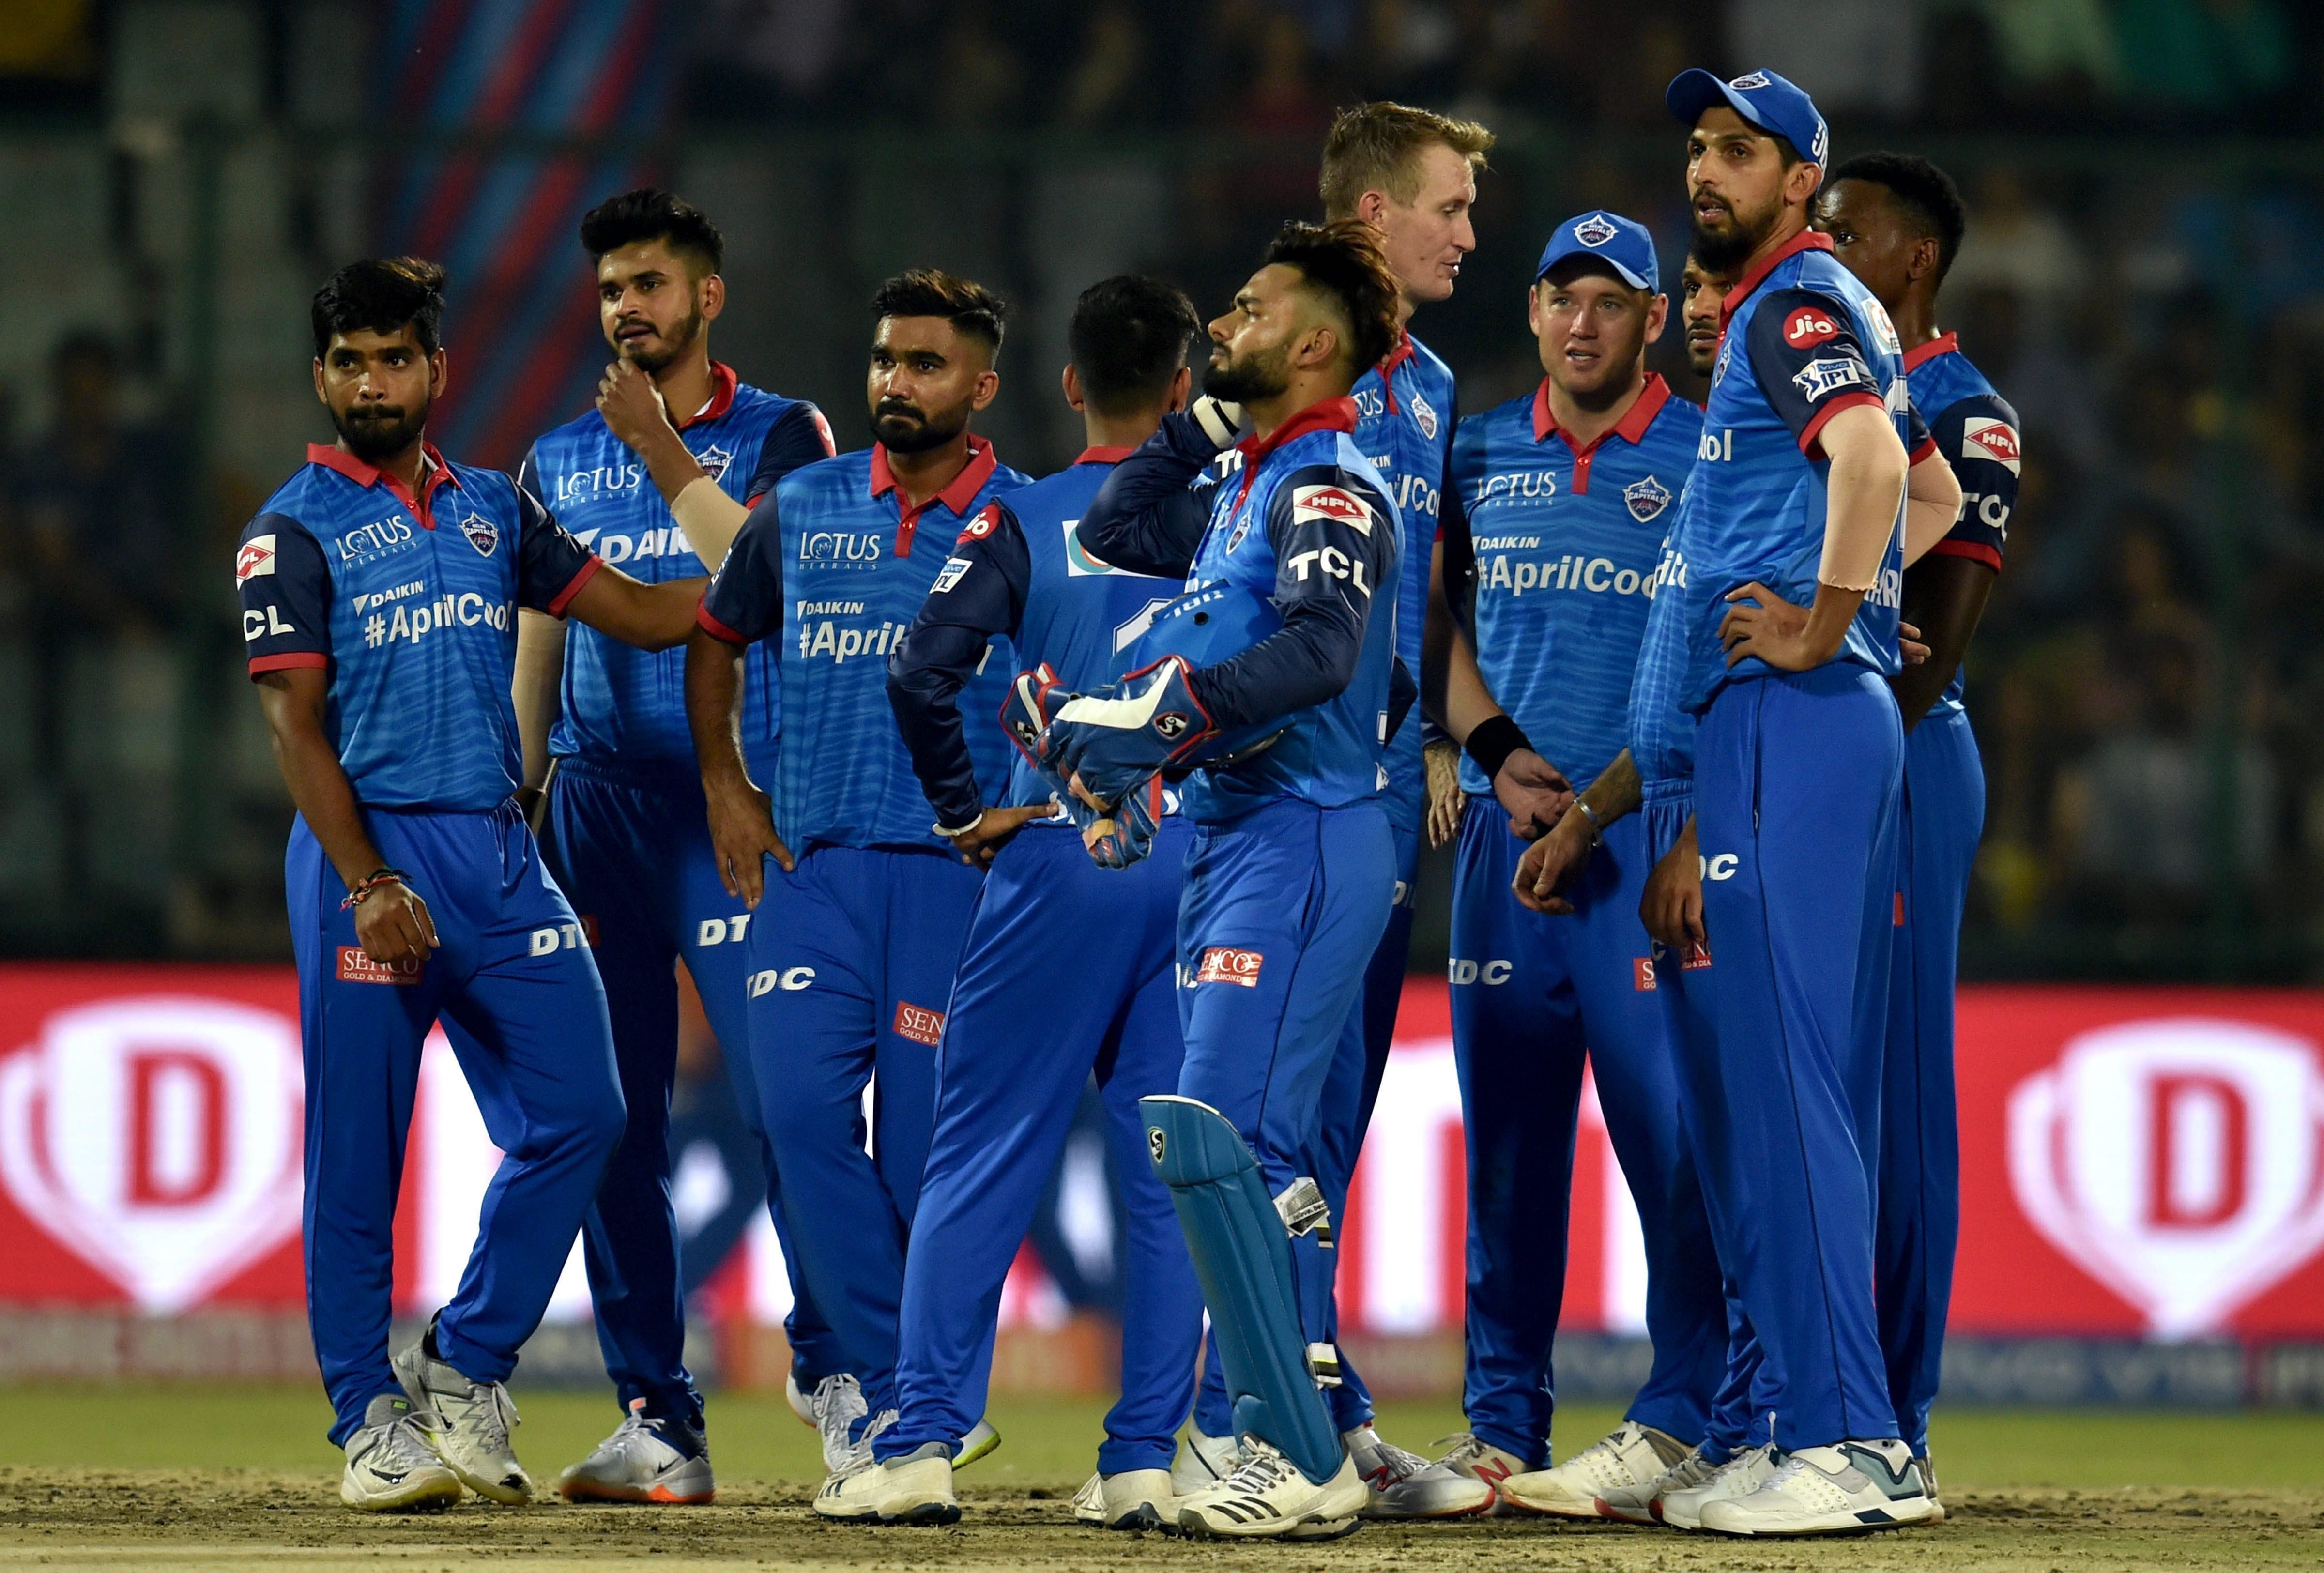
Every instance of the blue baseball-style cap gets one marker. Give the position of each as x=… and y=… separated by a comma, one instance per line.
x=1761, y=97
x=1621, y=244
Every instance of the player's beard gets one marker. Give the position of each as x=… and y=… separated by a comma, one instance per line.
x=903, y=427
x=1260, y=374
x=675, y=343
x=1723, y=249
x=374, y=432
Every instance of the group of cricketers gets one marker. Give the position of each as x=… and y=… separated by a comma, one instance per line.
x=953, y=790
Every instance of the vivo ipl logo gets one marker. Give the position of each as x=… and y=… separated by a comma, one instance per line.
x=158, y=1139
x=2180, y=1162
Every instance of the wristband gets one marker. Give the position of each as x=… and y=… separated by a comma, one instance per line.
x=370, y=882
x=950, y=831
x=1597, y=831
x=1491, y=742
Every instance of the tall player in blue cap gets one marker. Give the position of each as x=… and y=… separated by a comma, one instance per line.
x=1815, y=487
x=834, y=563
x=1896, y=221
x=1291, y=551
x=380, y=590
x=628, y=844
x=1561, y=497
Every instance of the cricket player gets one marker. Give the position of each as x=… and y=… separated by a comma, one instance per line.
x=1816, y=488
x=1023, y=1036
x=1561, y=499
x=380, y=588
x=832, y=567
x=1291, y=549
x=1895, y=221
x=629, y=843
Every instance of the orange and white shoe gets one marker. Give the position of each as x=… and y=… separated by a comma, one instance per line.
x=645, y=1461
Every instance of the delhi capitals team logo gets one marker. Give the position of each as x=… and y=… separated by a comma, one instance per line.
x=1594, y=230
x=483, y=533
x=713, y=461
x=1645, y=498
x=1423, y=417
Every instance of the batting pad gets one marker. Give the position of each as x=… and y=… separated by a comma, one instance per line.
x=1242, y=1256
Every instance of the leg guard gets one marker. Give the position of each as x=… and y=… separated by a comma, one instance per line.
x=1242, y=1251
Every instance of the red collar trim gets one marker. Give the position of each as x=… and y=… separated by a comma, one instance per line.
x=1631, y=428
x=1394, y=358
x=1807, y=240
x=440, y=474
x=1103, y=456
x=722, y=383
x=957, y=496
x=1324, y=415
x=1944, y=343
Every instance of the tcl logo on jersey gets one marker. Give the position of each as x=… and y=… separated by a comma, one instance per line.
x=1491, y=974
x=580, y=935
x=1988, y=508
x=1821, y=378
x=354, y=967
x=1807, y=328
x=377, y=539
x=1223, y=964
x=467, y=609
x=1981, y=439
x=1333, y=562
x=1721, y=866
x=256, y=626
x=918, y=1024
x=1598, y=575
x=1331, y=503
x=256, y=557
x=483, y=533
x=790, y=980
x=840, y=548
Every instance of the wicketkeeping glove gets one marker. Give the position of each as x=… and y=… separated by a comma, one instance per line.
x=1220, y=421
x=1128, y=730
x=1115, y=839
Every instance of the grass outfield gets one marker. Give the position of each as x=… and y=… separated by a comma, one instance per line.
x=223, y=1478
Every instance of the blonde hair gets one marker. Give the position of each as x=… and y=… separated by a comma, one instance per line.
x=1375, y=147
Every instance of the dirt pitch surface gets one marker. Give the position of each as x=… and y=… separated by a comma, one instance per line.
x=287, y=1523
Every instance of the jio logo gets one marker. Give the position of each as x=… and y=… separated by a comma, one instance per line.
x=2180, y=1161
x=157, y=1138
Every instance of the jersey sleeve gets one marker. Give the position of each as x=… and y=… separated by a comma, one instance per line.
x=1461, y=465
x=800, y=436
x=1805, y=356
x=1334, y=546
x=980, y=592
x=1977, y=436
x=744, y=603
x=551, y=566
x=285, y=589
x=1150, y=516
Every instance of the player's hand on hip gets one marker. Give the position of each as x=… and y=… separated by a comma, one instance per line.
x=1551, y=863
x=1441, y=757
x=742, y=837
x=1759, y=622
x=1533, y=793
x=1909, y=645
x=1672, y=906
x=993, y=830
x=393, y=924
x=632, y=405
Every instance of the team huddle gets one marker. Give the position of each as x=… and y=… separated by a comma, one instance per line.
x=953, y=790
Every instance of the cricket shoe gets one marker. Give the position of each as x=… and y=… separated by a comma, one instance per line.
x=391, y=1467
x=1406, y=1486
x=1846, y=1489
x=1929, y=1484
x=645, y=1461
x=1680, y=1503
x=915, y=1489
x=1267, y=1499
x=1479, y=1460
x=472, y=1423
x=1635, y=1503
x=1203, y=1461
x=1135, y=1499
x=981, y=1439
x=1630, y=1455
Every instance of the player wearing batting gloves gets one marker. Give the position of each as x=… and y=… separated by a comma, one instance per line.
x=1281, y=681
x=628, y=841
x=1895, y=221
x=1815, y=488
x=833, y=565
x=1562, y=500
x=1008, y=1078
x=380, y=590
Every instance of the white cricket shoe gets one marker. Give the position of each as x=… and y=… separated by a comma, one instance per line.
x=1268, y=1498
x=1135, y=1499
x=645, y=1461
x=981, y=1439
x=1841, y=1489
x=1630, y=1455
x=1929, y=1484
x=391, y=1467
x=1635, y=1503
x=1406, y=1486
x=1679, y=1504
x=801, y=1404
x=1472, y=1456
x=1203, y=1461
x=472, y=1421
x=915, y=1489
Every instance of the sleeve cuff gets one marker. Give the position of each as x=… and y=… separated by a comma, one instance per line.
x=285, y=662
x=716, y=629
x=573, y=585
x=1816, y=423
x=1976, y=551
x=1927, y=450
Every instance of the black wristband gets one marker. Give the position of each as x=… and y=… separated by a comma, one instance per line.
x=1491, y=742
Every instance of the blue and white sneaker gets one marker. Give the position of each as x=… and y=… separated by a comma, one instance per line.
x=1846, y=1489
x=645, y=1460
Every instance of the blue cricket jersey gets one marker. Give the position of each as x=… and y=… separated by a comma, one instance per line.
x=1660, y=730
x=832, y=567
x=1976, y=431
x=409, y=604
x=1802, y=339
x=1300, y=520
x=1565, y=543
x=1018, y=572
x=1406, y=413
x=621, y=703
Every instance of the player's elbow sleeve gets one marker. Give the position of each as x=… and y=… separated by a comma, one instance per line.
x=710, y=519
